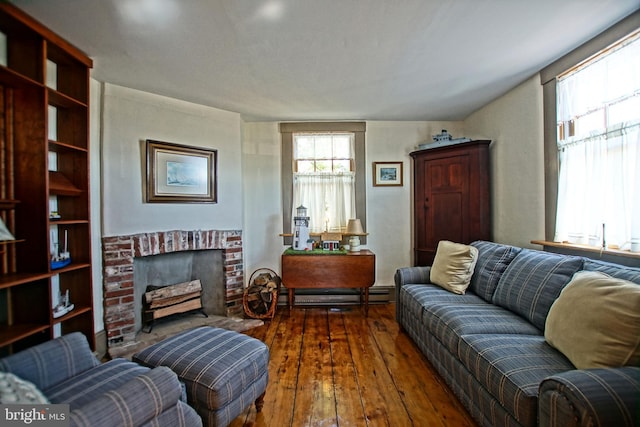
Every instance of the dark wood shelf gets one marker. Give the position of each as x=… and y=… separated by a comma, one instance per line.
x=77, y=311
x=15, y=279
x=13, y=333
x=62, y=147
x=10, y=78
x=60, y=100
x=61, y=185
x=8, y=203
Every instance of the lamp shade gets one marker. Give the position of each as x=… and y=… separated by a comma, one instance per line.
x=354, y=227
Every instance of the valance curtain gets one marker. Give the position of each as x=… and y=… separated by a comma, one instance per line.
x=329, y=198
x=599, y=150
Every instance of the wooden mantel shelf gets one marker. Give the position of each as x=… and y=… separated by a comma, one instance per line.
x=587, y=248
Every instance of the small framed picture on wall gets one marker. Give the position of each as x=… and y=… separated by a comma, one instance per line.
x=387, y=174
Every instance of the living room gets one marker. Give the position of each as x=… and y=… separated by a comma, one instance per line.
x=248, y=173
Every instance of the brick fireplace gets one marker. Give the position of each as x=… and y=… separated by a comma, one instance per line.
x=119, y=253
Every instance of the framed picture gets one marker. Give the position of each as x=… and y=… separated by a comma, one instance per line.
x=180, y=174
x=387, y=174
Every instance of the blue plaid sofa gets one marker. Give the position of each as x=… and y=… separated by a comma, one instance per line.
x=489, y=345
x=116, y=393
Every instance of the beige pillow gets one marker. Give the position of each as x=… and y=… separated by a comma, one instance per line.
x=453, y=266
x=595, y=322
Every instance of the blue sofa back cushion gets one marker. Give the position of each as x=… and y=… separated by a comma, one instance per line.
x=71, y=350
x=493, y=260
x=625, y=273
x=533, y=281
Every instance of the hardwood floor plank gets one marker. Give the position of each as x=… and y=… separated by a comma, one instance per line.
x=426, y=398
x=335, y=367
x=315, y=402
x=382, y=402
x=349, y=405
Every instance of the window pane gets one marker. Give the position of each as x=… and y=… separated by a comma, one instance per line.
x=342, y=147
x=303, y=147
x=323, y=165
x=323, y=147
x=305, y=166
x=342, y=166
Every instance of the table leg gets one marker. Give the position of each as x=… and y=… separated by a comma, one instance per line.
x=291, y=298
x=366, y=302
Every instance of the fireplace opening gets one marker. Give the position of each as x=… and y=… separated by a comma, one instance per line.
x=179, y=267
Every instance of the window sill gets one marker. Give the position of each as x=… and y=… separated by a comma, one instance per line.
x=632, y=258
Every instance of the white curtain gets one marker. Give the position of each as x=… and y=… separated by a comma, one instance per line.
x=599, y=157
x=599, y=183
x=329, y=199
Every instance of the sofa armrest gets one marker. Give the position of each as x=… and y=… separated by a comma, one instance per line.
x=406, y=275
x=592, y=397
x=135, y=403
x=51, y=362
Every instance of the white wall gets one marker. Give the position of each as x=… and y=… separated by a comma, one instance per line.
x=95, y=184
x=388, y=208
x=262, y=196
x=249, y=174
x=515, y=124
x=129, y=118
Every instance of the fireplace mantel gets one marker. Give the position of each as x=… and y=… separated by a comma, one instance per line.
x=119, y=253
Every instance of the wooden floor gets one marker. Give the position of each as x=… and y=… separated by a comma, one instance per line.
x=334, y=367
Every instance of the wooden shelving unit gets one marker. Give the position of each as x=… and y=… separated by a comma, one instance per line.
x=44, y=167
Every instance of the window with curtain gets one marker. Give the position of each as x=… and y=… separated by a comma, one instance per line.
x=324, y=179
x=598, y=142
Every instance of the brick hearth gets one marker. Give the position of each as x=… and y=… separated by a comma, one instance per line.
x=118, y=290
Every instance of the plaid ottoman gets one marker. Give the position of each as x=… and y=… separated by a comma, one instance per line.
x=224, y=371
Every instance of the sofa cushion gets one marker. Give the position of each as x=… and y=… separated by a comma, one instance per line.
x=614, y=270
x=589, y=308
x=533, y=281
x=32, y=364
x=511, y=368
x=449, y=321
x=15, y=390
x=493, y=260
x=84, y=388
x=453, y=266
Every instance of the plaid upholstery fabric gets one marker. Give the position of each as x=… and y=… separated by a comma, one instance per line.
x=532, y=283
x=71, y=354
x=448, y=322
x=224, y=371
x=143, y=398
x=409, y=275
x=84, y=388
x=481, y=405
x=511, y=368
x=591, y=397
x=613, y=270
x=493, y=260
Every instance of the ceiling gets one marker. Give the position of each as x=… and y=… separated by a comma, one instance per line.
x=327, y=59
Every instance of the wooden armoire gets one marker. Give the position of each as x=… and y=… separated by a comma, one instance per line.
x=451, y=196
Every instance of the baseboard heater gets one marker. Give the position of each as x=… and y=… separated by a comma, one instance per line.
x=333, y=296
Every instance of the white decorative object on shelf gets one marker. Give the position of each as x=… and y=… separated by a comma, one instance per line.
x=5, y=234
x=64, y=305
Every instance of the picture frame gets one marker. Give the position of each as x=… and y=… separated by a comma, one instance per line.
x=387, y=174
x=180, y=174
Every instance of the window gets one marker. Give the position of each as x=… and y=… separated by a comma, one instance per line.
x=598, y=148
x=333, y=154
x=324, y=179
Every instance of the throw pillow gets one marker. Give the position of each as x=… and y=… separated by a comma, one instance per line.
x=595, y=322
x=16, y=390
x=453, y=266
